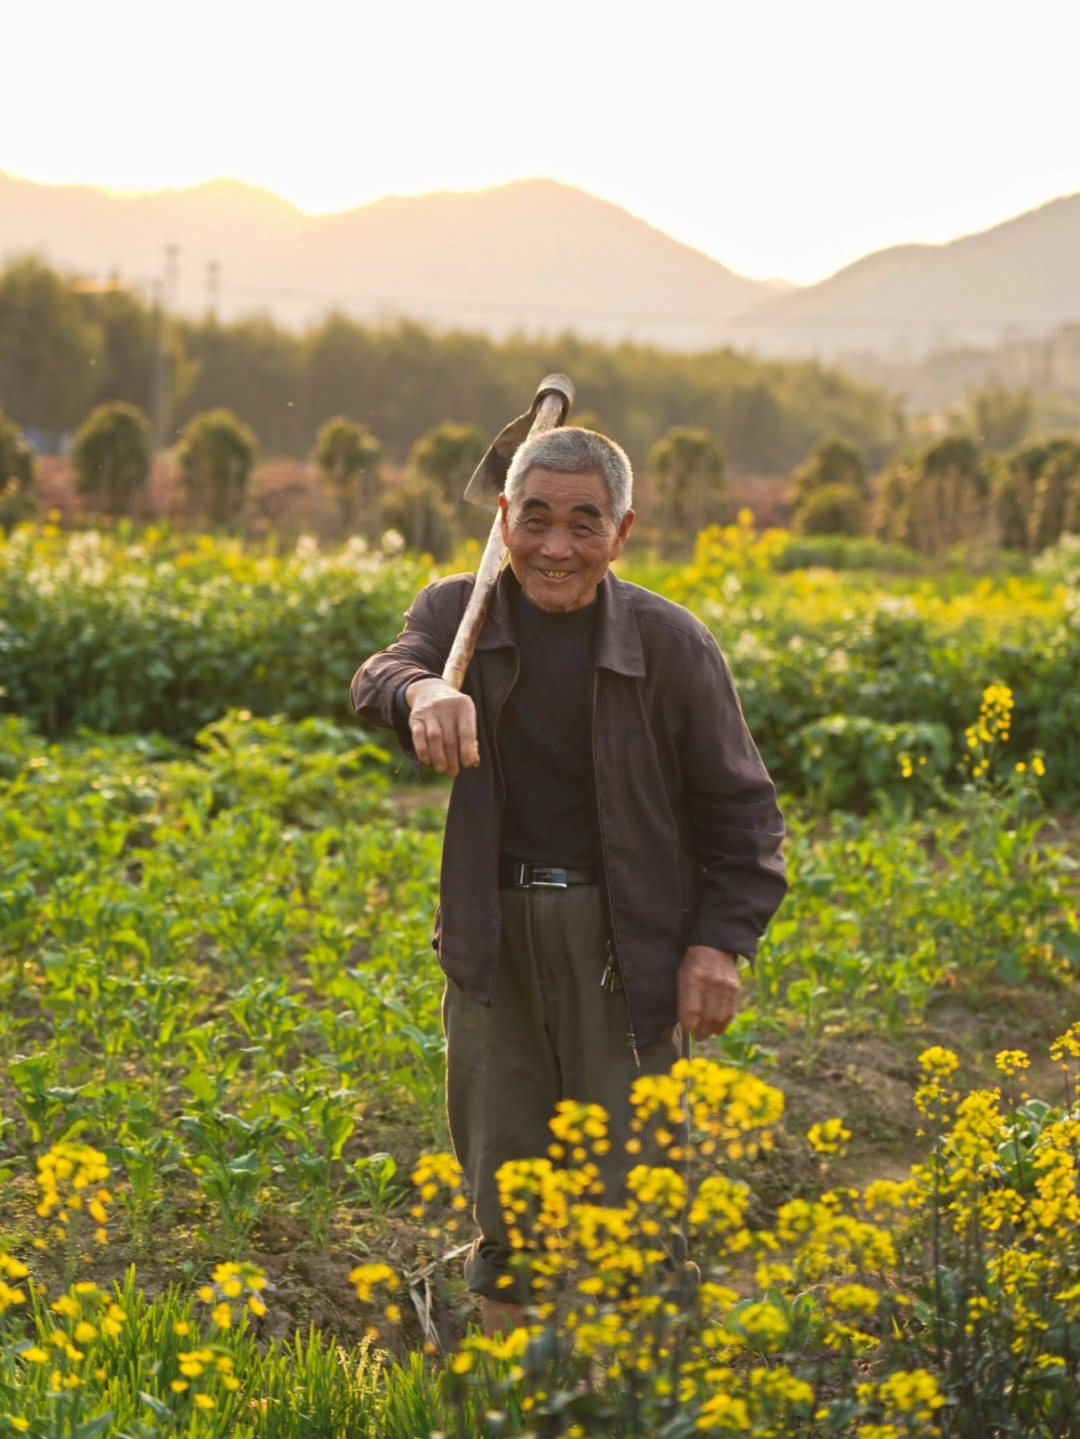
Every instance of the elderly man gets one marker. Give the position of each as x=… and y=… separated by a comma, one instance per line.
x=612, y=841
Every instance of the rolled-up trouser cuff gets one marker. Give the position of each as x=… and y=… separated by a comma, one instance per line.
x=487, y=1272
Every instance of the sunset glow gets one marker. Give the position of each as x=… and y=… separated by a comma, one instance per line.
x=781, y=138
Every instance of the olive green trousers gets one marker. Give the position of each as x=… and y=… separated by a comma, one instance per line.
x=552, y=1032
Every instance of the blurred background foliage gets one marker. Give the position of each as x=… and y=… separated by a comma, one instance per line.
x=110, y=407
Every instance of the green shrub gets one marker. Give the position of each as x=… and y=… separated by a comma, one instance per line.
x=165, y=637
x=853, y=762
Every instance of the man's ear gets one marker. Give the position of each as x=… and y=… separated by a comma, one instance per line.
x=622, y=533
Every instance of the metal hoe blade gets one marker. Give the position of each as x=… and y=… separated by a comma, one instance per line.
x=487, y=481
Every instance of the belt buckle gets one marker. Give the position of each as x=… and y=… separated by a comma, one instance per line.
x=550, y=882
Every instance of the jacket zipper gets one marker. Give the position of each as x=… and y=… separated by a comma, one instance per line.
x=613, y=969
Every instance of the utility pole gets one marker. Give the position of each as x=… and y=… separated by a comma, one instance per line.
x=213, y=280
x=156, y=387
x=164, y=368
x=172, y=274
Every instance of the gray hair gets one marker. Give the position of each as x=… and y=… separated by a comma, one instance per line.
x=569, y=450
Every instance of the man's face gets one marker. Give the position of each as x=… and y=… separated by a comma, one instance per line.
x=561, y=537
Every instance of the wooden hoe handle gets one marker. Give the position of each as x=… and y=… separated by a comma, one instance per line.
x=549, y=415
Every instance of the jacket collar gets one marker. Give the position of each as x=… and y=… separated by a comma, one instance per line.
x=618, y=645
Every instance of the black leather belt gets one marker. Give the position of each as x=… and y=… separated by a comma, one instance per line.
x=518, y=874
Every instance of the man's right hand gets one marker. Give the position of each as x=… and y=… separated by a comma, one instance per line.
x=442, y=722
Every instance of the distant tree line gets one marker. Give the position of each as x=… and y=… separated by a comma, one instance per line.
x=122, y=381
x=950, y=494
x=67, y=347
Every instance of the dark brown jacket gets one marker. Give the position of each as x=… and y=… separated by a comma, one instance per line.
x=689, y=824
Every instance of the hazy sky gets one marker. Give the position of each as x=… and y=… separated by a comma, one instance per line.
x=782, y=137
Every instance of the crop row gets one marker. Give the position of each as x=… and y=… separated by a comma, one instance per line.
x=841, y=673
x=155, y=637
x=201, y=965
x=217, y=965
x=219, y=1014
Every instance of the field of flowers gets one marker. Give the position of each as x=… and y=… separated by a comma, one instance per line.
x=225, y=1201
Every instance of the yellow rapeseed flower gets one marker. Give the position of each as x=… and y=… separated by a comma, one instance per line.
x=1009, y=1061
x=365, y=1277
x=726, y=1413
x=913, y=1392
x=828, y=1137
x=10, y=1297
x=1067, y=1044
x=779, y=1385
x=853, y=1298
x=939, y=1062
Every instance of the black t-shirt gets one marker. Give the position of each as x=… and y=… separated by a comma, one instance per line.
x=545, y=740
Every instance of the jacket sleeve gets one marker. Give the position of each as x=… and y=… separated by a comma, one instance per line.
x=419, y=652
x=736, y=829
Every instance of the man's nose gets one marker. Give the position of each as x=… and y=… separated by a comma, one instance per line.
x=557, y=542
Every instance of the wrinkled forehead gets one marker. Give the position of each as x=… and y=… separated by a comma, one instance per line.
x=543, y=489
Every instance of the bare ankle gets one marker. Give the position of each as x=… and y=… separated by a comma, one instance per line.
x=499, y=1317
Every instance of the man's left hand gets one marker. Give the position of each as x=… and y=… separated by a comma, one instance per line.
x=708, y=991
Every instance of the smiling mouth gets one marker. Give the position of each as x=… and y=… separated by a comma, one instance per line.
x=556, y=574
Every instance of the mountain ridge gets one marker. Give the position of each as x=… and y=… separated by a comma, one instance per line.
x=536, y=256
x=1016, y=279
